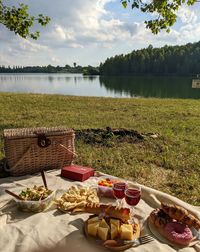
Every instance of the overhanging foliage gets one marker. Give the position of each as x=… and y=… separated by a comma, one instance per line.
x=166, y=12
x=18, y=20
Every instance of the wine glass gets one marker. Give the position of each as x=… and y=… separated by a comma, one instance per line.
x=133, y=195
x=119, y=191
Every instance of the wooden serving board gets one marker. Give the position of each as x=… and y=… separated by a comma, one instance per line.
x=118, y=244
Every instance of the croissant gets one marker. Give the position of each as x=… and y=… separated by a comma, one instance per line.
x=112, y=211
x=181, y=215
x=159, y=218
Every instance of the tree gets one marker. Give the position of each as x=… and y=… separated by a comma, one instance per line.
x=167, y=60
x=165, y=10
x=18, y=20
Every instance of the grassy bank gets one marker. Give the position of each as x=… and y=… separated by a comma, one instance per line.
x=170, y=163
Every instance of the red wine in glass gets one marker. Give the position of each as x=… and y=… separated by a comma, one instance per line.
x=132, y=196
x=119, y=190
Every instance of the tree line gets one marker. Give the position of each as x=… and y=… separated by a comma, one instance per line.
x=167, y=60
x=87, y=70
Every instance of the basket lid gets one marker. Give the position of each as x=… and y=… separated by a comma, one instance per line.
x=33, y=132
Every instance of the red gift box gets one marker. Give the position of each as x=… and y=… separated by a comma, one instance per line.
x=75, y=172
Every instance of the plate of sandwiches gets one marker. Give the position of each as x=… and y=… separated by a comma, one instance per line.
x=109, y=226
x=174, y=225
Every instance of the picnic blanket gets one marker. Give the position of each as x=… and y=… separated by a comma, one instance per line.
x=54, y=231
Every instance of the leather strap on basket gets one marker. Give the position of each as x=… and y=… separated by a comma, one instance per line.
x=43, y=141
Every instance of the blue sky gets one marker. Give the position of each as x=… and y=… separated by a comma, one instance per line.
x=89, y=31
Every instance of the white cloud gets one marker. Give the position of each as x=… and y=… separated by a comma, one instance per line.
x=60, y=33
x=186, y=15
x=55, y=60
x=87, y=24
x=4, y=60
x=87, y=32
x=29, y=46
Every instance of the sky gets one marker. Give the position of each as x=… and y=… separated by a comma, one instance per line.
x=89, y=31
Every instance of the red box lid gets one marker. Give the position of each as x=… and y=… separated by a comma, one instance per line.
x=78, y=169
x=76, y=172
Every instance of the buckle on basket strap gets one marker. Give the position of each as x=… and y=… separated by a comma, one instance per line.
x=43, y=141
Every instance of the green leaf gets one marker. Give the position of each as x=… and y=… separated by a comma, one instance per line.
x=124, y=3
x=165, y=10
x=20, y=21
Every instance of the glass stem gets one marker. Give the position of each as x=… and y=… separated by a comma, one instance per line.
x=121, y=203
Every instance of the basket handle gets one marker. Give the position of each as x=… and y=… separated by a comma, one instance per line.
x=63, y=146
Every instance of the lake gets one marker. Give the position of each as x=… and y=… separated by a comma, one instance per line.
x=78, y=85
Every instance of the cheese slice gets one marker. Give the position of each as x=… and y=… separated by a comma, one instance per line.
x=92, y=228
x=114, y=231
x=94, y=219
x=126, y=232
x=115, y=222
x=104, y=224
x=102, y=233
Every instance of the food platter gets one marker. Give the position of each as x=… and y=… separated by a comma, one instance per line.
x=161, y=238
x=76, y=198
x=36, y=199
x=111, y=244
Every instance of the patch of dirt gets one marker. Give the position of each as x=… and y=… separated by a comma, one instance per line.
x=108, y=136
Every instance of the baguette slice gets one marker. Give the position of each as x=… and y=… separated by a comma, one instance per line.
x=123, y=214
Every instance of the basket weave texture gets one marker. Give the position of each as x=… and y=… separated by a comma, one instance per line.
x=25, y=156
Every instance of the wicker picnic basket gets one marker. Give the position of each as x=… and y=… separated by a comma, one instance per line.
x=30, y=150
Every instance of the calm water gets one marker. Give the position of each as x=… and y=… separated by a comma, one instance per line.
x=76, y=84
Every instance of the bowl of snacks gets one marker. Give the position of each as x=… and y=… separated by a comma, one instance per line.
x=35, y=199
x=105, y=187
x=75, y=198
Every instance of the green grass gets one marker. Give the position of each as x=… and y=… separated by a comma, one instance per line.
x=170, y=163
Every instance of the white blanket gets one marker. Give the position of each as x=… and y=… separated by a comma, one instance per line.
x=58, y=232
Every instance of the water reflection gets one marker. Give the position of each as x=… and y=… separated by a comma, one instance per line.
x=164, y=87
x=76, y=84
x=68, y=84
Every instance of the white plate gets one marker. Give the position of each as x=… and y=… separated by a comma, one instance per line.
x=161, y=238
